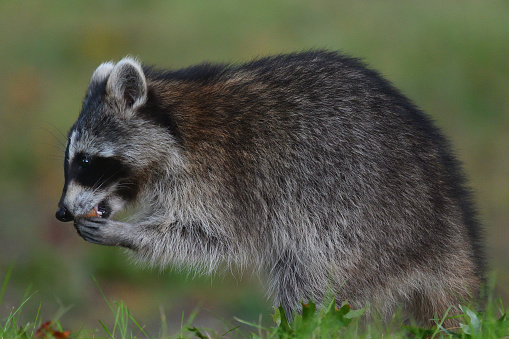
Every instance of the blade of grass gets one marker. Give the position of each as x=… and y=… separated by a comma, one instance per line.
x=61, y=311
x=137, y=325
x=252, y=324
x=120, y=320
x=36, y=320
x=197, y=332
x=190, y=320
x=115, y=312
x=12, y=315
x=6, y=280
x=182, y=326
x=164, y=325
x=233, y=329
x=100, y=290
x=439, y=326
x=105, y=329
x=23, y=303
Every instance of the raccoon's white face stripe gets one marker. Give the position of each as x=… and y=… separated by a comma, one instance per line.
x=107, y=150
x=87, y=146
x=72, y=145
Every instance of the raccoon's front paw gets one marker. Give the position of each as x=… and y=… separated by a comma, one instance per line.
x=104, y=231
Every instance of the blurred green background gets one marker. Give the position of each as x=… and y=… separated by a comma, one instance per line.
x=451, y=58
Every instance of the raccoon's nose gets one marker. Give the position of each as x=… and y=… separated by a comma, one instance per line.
x=63, y=214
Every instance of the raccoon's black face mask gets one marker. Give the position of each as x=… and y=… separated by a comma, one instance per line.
x=95, y=186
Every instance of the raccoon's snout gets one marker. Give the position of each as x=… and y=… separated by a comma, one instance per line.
x=63, y=214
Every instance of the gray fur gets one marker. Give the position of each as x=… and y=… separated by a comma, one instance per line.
x=308, y=166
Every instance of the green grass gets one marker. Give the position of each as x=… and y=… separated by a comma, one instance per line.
x=451, y=58
x=329, y=322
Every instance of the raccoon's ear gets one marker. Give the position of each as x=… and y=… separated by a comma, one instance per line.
x=102, y=72
x=127, y=84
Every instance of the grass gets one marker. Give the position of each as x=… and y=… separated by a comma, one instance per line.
x=329, y=322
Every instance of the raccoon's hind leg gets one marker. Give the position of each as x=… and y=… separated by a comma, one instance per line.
x=427, y=309
x=292, y=282
x=429, y=304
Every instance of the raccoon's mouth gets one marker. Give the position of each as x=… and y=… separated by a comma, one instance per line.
x=100, y=210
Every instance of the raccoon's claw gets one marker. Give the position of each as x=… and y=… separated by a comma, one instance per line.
x=89, y=229
x=101, y=231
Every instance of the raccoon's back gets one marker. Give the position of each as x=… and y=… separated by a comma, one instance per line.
x=315, y=113
x=317, y=140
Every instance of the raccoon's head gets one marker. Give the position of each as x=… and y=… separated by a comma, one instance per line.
x=110, y=146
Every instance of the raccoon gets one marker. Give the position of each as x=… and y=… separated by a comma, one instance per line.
x=309, y=167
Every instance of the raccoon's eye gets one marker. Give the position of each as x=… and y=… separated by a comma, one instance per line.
x=83, y=161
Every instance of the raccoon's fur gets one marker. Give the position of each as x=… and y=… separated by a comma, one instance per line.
x=308, y=166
